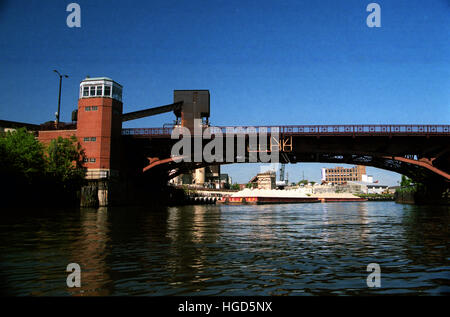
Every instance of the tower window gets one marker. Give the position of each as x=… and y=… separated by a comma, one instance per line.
x=107, y=91
x=88, y=108
x=85, y=91
x=94, y=108
x=117, y=93
x=99, y=90
x=92, y=160
x=92, y=91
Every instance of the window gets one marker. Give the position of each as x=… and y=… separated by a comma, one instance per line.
x=92, y=91
x=90, y=139
x=92, y=160
x=117, y=93
x=107, y=91
x=99, y=90
x=94, y=108
x=114, y=92
x=86, y=139
x=93, y=139
x=85, y=91
x=87, y=108
x=85, y=160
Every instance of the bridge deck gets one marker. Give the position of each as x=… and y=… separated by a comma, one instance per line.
x=312, y=130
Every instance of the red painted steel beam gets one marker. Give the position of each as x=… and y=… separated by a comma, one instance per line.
x=422, y=164
x=155, y=161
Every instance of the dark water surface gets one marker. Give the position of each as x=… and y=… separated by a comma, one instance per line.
x=290, y=249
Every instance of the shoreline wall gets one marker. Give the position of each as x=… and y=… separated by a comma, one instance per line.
x=423, y=196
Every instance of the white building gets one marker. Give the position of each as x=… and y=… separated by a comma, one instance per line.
x=370, y=188
x=367, y=178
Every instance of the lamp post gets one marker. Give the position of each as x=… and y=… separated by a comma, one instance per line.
x=59, y=96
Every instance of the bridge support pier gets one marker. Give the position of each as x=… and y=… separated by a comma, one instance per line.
x=97, y=193
x=89, y=195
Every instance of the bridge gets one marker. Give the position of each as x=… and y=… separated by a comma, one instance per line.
x=421, y=152
x=144, y=155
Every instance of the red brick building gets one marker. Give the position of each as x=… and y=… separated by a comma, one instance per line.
x=99, y=126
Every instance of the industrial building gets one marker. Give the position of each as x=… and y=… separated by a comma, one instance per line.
x=340, y=175
x=203, y=177
x=369, y=187
x=266, y=180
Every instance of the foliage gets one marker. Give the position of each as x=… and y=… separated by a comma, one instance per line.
x=408, y=186
x=376, y=196
x=188, y=190
x=406, y=189
x=303, y=181
x=39, y=174
x=21, y=156
x=235, y=186
x=405, y=181
x=250, y=185
x=65, y=160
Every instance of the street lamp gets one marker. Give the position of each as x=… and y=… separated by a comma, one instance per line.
x=59, y=96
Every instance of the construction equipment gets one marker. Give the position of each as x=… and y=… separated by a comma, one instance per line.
x=283, y=181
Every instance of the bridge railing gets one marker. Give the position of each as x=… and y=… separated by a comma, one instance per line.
x=368, y=129
x=319, y=130
x=148, y=131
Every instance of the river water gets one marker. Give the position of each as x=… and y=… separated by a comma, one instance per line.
x=292, y=249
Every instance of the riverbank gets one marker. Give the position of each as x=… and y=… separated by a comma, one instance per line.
x=41, y=193
x=423, y=195
x=377, y=197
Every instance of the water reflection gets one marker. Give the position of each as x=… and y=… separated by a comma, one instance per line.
x=193, y=232
x=227, y=250
x=90, y=250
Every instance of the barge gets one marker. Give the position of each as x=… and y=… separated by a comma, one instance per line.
x=259, y=197
x=266, y=200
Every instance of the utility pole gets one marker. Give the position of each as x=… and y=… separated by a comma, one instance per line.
x=59, y=97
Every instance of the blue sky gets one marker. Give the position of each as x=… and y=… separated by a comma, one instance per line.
x=264, y=62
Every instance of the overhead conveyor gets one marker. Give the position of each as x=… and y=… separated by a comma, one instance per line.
x=175, y=107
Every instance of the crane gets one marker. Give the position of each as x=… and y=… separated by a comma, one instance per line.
x=282, y=182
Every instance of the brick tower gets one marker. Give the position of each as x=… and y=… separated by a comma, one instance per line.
x=99, y=125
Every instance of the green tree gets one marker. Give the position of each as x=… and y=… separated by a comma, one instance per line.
x=303, y=181
x=65, y=160
x=34, y=175
x=21, y=156
x=405, y=181
x=235, y=186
